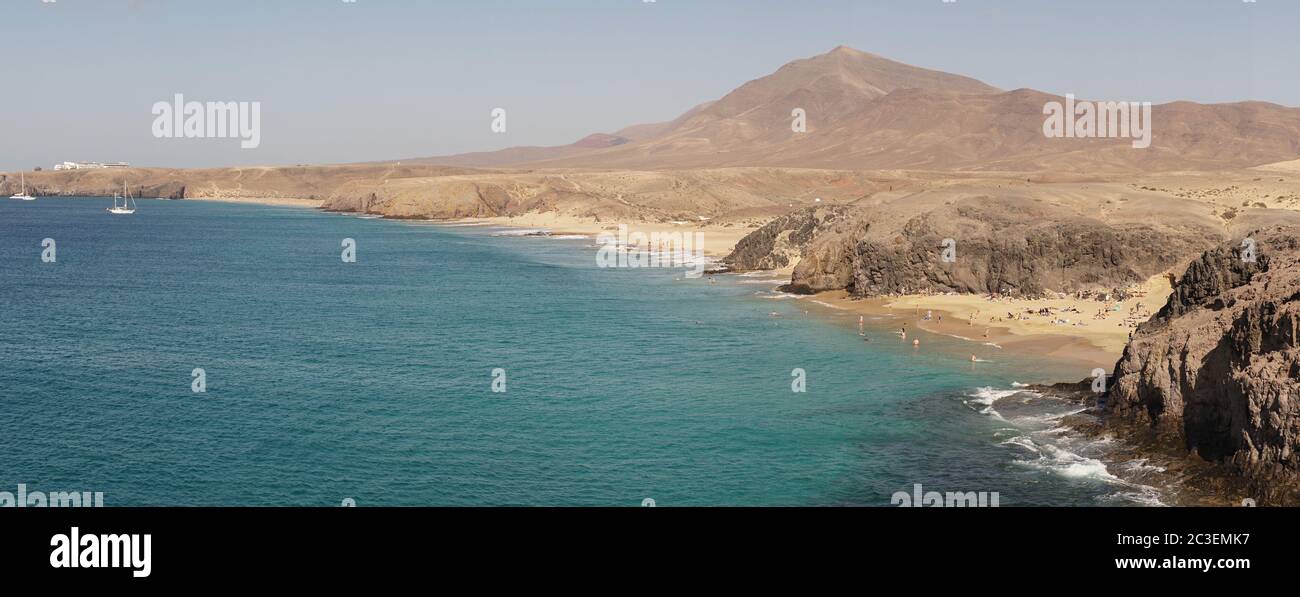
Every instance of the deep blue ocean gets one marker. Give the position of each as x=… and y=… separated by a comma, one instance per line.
x=373, y=380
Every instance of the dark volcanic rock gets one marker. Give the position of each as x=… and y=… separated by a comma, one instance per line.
x=1217, y=271
x=1000, y=245
x=1218, y=368
x=781, y=241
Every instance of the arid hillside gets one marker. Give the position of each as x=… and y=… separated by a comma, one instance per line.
x=421, y=191
x=1015, y=237
x=302, y=182
x=657, y=196
x=867, y=112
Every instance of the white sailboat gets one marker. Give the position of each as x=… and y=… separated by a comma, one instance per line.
x=22, y=195
x=123, y=210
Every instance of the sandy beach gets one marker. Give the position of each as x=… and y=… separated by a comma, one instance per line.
x=1089, y=332
x=1086, y=331
x=719, y=240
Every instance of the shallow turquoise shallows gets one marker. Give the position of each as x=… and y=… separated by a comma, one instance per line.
x=373, y=380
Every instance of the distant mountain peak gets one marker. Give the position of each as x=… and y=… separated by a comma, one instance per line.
x=843, y=49
x=863, y=111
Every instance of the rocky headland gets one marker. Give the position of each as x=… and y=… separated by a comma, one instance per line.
x=1217, y=370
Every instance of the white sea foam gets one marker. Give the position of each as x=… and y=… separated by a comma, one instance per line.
x=1040, y=442
x=1023, y=441
x=983, y=398
x=987, y=395
x=523, y=232
x=1068, y=464
x=1043, y=419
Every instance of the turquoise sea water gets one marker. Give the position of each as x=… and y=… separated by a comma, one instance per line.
x=373, y=380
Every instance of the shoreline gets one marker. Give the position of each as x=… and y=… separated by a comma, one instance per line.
x=719, y=241
x=1139, y=457
x=276, y=201
x=1060, y=347
x=1131, y=466
x=1096, y=343
x=1084, y=332
x=1086, y=347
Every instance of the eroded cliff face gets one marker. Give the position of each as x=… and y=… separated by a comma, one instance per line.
x=1218, y=368
x=611, y=196
x=781, y=242
x=1006, y=245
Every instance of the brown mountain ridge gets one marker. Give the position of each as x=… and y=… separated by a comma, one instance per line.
x=868, y=112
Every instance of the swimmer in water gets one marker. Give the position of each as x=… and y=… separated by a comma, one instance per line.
x=916, y=343
x=972, y=358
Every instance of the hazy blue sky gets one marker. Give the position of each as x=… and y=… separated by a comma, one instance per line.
x=388, y=79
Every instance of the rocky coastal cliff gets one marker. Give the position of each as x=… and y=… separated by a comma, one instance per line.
x=780, y=243
x=1217, y=370
x=951, y=242
x=1210, y=384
